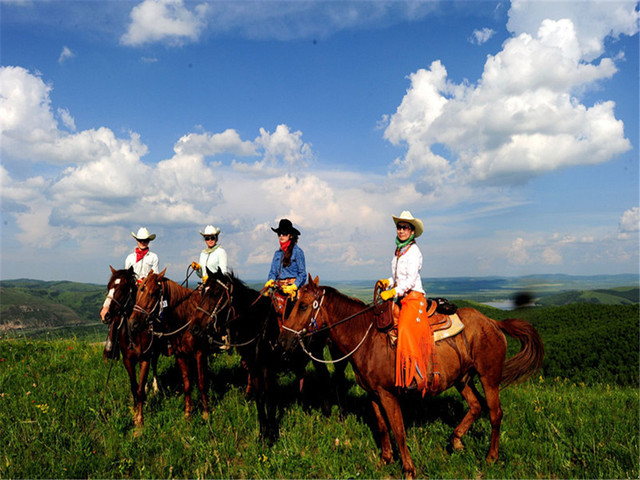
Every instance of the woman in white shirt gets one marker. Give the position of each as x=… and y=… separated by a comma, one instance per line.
x=213, y=256
x=415, y=338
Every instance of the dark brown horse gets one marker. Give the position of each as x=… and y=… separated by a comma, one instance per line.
x=121, y=296
x=167, y=311
x=480, y=349
x=229, y=307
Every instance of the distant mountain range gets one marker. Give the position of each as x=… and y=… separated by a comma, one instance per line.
x=34, y=304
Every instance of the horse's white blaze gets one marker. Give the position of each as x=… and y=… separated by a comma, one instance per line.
x=107, y=301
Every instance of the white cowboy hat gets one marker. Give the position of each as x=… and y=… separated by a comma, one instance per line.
x=408, y=218
x=143, y=234
x=210, y=230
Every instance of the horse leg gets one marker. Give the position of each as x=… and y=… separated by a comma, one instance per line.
x=154, y=368
x=140, y=395
x=183, y=364
x=492, y=394
x=130, y=366
x=391, y=407
x=383, y=430
x=472, y=415
x=201, y=362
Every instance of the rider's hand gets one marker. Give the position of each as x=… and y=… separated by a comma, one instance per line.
x=290, y=290
x=270, y=283
x=383, y=283
x=387, y=294
x=204, y=278
x=195, y=265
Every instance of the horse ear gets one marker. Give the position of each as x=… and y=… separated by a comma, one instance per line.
x=209, y=272
x=310, y=279
x=161, y=274
x=316, y=281
x=113, y=270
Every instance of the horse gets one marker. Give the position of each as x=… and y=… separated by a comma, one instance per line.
x=479, y=349
x=121, y=294
x=166, y=310
x=229, y=307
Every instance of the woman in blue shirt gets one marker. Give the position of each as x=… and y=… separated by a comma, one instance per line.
x=288, y=270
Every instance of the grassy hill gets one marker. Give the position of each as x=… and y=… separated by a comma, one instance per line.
x=34, y=304
x=614, y=296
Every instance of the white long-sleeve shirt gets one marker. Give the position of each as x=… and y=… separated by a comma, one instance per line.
x=212, y=260
x=144, y=266
x=405, y=272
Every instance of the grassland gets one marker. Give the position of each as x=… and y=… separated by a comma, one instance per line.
x=60, y=420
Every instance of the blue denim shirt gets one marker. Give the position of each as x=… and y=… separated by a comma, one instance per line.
x=297, y=269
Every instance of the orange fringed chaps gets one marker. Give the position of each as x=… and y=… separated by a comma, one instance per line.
x=415, y=342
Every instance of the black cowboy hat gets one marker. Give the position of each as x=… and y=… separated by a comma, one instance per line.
x=285, y=226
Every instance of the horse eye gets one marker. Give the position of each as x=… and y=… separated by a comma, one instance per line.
x=303, y=306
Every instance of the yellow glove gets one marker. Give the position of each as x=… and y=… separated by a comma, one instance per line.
x=290, y=290
x=387, y=294
x=383, y=282
x=204, y=279
x=195, y=265
x=268, y=286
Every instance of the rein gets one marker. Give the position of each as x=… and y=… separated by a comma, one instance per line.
x=304, y=333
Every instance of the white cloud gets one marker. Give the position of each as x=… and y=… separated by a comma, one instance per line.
x=165, y=20
x=519, y=121
x=482, y=36
x=629, y=223
x=594, y=20
x=65, y=55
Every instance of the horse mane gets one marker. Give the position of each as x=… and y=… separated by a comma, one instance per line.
x=343, y=306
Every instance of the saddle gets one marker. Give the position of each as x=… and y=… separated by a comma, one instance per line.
x=443, y=320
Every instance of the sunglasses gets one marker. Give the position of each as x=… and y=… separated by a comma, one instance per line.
x=403, y=227
x=210, y=238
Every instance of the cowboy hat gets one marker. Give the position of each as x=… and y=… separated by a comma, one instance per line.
x=210, y=230
x=285, y=226
x=408, y=218
x=143, y=234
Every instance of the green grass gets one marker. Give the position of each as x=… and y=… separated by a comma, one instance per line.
x=59, y=420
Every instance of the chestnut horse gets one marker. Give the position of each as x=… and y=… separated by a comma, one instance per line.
x=121, y=295
x=480, y=349
x=229, y=307
x=166, y=310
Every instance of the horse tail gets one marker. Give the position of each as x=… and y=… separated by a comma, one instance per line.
x=529, y=359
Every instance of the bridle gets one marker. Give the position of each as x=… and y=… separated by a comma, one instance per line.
x=313, y=328
x=225, y=301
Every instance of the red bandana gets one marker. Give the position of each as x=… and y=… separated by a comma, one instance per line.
x=285, y=245
x=141, y=253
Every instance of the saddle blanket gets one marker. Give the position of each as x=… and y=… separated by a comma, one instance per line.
x=449, y=326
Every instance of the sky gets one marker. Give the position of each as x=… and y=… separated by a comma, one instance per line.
x=509, y=128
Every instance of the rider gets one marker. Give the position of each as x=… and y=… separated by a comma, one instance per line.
x=142, y=259
x=213, y=256
x=288, y=270
x=415, y=338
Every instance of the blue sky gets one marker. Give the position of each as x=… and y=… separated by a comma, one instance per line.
x=509, y=128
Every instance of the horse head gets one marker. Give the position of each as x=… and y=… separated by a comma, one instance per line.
x=306, y=316
x=148, y=301
x=215, y=300
x=121, y=291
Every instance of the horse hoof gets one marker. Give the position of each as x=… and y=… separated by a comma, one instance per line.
x=458, y=446
x=205, y=415
x=137, y=431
